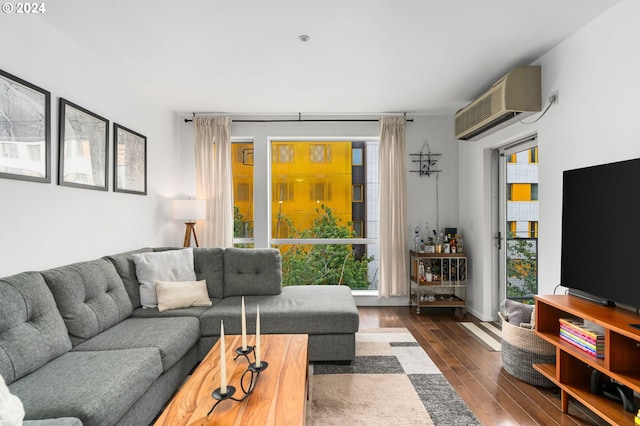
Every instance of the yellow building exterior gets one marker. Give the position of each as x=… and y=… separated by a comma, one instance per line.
x=304, y=176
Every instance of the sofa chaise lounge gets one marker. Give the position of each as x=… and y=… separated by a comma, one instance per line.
x=76, y=344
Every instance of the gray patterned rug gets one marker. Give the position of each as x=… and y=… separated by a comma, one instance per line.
x=391, y=381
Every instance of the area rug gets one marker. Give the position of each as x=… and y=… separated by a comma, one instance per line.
x=488, y=333
x=391, y=381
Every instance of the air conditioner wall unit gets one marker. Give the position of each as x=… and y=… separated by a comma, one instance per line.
x=513, y=97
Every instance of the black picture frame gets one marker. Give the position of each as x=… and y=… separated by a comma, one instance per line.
x=83, y=148
x=25, y=130
x=129, y=161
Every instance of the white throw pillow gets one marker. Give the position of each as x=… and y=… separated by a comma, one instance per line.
x=182, y=294
x=170, y=265
x=11, y=409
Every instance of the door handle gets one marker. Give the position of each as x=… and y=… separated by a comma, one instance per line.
x=499, y=240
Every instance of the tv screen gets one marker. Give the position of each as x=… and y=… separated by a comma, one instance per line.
x=601, y=232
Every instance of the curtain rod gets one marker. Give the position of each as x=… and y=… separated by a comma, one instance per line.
x=300, y=119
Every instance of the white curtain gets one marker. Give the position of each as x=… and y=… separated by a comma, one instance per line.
x=394, y=276
x=214, y=179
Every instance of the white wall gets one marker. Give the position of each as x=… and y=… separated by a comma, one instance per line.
x=422, y=190
x=46, y=225
x=596, y=75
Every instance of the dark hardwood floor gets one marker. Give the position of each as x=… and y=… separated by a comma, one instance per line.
x=494, y=396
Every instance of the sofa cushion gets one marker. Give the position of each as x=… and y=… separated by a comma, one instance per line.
x=126, y=268
x=97, y=387
x=181, y=294
x=90, y=296
x=172, y=336
x=317, y=309
x=252, y=272
x=32, y=331
x=170, y=265
x=209, y=265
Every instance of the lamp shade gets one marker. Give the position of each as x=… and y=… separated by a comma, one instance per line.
x=188, y=209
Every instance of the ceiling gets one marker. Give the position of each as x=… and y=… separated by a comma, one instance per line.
x=363, y=56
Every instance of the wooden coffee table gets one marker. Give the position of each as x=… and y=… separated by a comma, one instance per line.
x=279, y=397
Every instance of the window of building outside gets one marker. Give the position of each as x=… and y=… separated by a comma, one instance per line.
x=533, y=229
x=325, y=212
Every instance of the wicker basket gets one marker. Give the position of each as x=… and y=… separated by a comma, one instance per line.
x=521, y=348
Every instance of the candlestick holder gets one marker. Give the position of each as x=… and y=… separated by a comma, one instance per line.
x=253, y=374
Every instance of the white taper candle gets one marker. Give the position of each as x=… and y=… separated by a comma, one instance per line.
x=258, y=363
x=223, y=363
x=244, y=327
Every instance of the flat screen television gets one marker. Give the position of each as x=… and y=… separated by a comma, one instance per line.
x=601, y=232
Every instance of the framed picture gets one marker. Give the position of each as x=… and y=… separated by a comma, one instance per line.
x=25, y=130
x=83, y=148
x=129, y=161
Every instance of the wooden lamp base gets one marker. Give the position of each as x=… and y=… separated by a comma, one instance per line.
x=187, y=234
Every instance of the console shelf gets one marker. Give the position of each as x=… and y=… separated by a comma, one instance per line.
x=447, y=289
x=572, y=370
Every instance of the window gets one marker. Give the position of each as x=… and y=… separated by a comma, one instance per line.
x=323, y=235
x=243, y=192
x=320, y=191
x=518, y=215
x=242, y=169
x=283, y=192
x=282, y=153
x=283, y=229
x=358, y=228
x=320, y=153
x=357, y=157
x=358, y=194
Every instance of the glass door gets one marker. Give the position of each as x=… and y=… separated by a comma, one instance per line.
x=517, y=237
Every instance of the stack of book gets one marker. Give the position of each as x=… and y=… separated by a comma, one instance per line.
x=587, y=337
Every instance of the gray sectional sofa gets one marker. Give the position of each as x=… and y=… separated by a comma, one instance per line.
x=77, y=347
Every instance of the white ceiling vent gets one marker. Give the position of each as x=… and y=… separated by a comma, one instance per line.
x=513, y=97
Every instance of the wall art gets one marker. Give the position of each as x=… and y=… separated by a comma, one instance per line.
x=129, y=161
x=83, y=148
x=25, y=130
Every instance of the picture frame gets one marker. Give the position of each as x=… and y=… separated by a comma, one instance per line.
x=129, y=161
x=25, y=130
x=83, y=148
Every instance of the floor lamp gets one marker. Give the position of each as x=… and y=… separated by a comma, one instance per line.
x=189, y=211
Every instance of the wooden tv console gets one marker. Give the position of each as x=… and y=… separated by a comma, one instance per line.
x=573, y=367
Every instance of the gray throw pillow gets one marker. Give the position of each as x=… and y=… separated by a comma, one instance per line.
x=518, y=313
x=252, y=272
x=170, y=265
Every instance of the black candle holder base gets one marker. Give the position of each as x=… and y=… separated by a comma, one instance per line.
x=263, y=366
x=243, y=352
x=219, y=396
